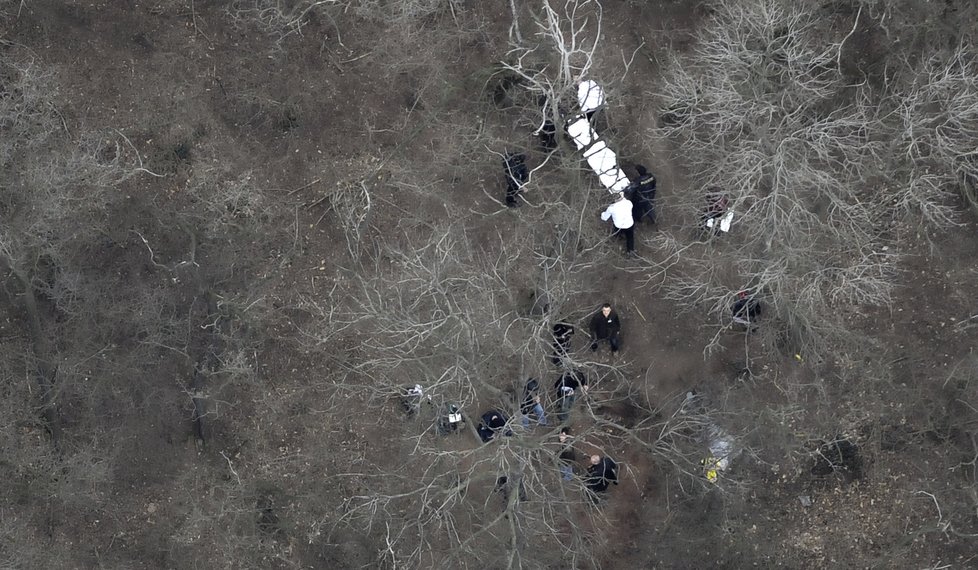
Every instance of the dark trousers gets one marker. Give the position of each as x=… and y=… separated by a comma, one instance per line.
x=629, y=234
x=614, y=341
x=643, y=210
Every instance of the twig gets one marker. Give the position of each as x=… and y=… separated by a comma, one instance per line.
x=231, y=467
x=357, y=57
x=639, y=312
x=838, y=60
x=291, y=192
x=138, y=158
x=152, y=257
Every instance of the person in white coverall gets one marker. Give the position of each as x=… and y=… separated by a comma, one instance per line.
x=621, y=216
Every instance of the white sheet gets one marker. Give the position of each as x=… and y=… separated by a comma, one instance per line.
x=581, y=133
x=590, y=95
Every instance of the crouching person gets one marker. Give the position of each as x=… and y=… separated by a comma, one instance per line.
x=531, y=404
x=602, y=472
x=746, y=310
x=569, y=386
x=492, y=423
x=567, y=456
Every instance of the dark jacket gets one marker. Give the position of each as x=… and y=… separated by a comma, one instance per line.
x=492, y=422
x=603, y=327
x=601, y=475
x=641, y=192
x=562, y=340
x=562, y=333
x=516, y=171
x=748, y=309
x=529, y=394
x=572, y=380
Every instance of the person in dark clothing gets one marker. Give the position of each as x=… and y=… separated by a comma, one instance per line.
x=569, y=386
x=602, y=472
x=641, y=192
x=547, y=133
x=562, y=341
x=605, y=325
x=504, y=486
x=531, y=404
x=516, y=176
x=566, y=457
x=746, y=310
x=492, y=423
x=548, y=136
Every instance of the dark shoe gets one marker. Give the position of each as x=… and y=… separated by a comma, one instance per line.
x=594, y=347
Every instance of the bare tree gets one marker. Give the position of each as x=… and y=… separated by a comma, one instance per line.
x=764, y=118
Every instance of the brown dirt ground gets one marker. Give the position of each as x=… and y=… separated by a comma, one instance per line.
x=171, y=79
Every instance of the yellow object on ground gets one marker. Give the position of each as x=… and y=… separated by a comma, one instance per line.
x=712, y=472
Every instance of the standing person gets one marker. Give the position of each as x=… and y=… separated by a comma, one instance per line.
x=642, y=194
x=547, y=133
x=569, y=386
x=605, y=325
x=562, y=341
x=621, y=216
x=548, y=136
x=602, y=472
x=517, y=176
x=567, y=457
x=531, y=404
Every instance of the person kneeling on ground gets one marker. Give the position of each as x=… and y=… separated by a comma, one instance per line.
x=717, y=215
x=605, y=325
x=492, y=423
x=450, y=418
x=531, y=404
x=567, y=457
x=620, y=213
x=569, y=386
x=602, y=472
x=746, y=310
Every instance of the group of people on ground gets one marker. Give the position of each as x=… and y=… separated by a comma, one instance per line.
x=633, y=204
x=571, y=384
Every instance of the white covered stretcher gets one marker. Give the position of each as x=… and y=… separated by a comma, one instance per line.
x=590, y=96
x=601, y=159
x=581, y=133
